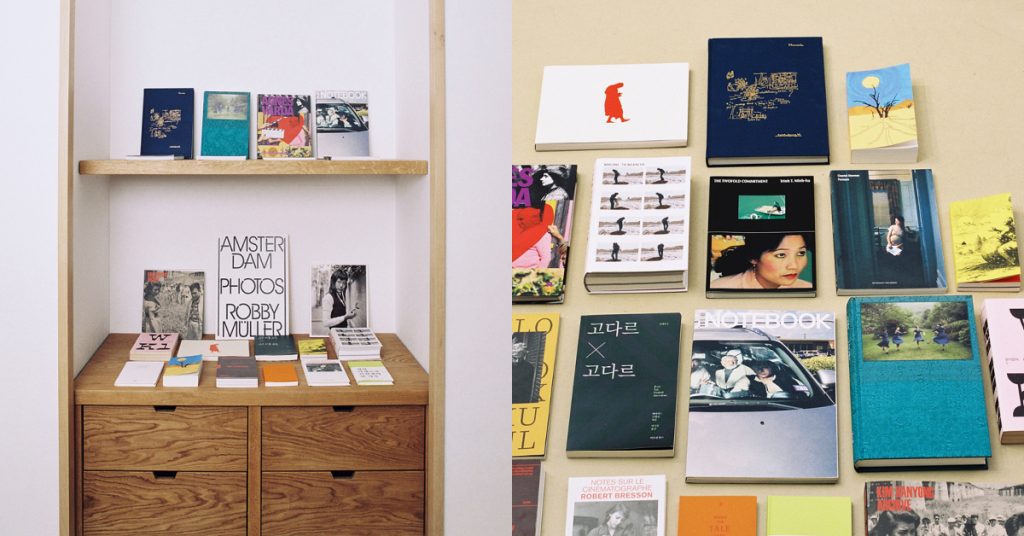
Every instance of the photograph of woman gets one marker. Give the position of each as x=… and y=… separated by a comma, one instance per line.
x=894, y=236
x=764, y=261
x=338, y=298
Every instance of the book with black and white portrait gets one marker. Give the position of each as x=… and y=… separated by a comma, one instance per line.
x=338, y=298
x=174, y=301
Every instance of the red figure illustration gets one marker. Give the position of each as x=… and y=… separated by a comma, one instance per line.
x=612, y=104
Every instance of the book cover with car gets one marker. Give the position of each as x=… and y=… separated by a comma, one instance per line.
x=542, y=205
x=342, y=124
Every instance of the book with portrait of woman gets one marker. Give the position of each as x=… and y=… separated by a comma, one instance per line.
x=761, y=237
x=612, y=505
x=338, y=298
x=542, y=205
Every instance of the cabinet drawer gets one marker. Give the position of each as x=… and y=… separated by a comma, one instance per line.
x=148, y=438
x=366, y=502
x=123, y=502
x=327, y=439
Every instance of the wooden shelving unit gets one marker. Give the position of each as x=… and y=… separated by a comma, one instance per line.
x=253, y=167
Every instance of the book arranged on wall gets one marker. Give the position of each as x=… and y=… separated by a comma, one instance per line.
x=312, y=348
x=154, y=347
x=235, y=371
x=639, y=225
x=985, y=255
x=624, y=387
x=885, y=227
x=883, y=118
x=370, y=372
x=324, y=372
x=183, y=371
x=915, y=379
x=762, y=385
x=616, y=504
x=225, y=125
x=761, y=237
x=167, y=122
x=712, y=515
x=820, y=516
x=174, y=301
x=527, y=497
x=252, y=286
x=932, y=507
x=275, y=348
x=280, y=375
x=1003, y=328
x=283, y=127
x=766, y=101
x=534, y=346
x=338, y=298
x=342, y=124
x=139, y=374
x=613, y=106
x=211, y=350
x=542, y=205
x=355, y=343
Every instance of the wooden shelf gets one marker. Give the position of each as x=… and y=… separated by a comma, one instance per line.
x=252, y=167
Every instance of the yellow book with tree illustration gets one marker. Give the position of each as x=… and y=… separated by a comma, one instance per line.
x=985, y=243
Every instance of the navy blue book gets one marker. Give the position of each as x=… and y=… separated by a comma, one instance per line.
x=766, y=102
x=916, y=394
x=167, y=122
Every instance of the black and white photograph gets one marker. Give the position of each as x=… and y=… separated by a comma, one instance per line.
x=527, y=366
x=664, y=200
x=174, y=302
x=338, y=298
x=668, y=224
x=955, y=508
x=618, y=252
x=628, y=174
x=662, y=250
x=621, y=200
x=600, y=518
x=670, y=175
x=618, y=226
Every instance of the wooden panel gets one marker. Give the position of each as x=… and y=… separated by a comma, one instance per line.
x=117, y=502
x=186, y=439
x=320, y=438
x=254, y=471
x=382, y=503
x=252, y=167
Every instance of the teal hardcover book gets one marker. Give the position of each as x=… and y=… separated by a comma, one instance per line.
x=225, y=124
x=916, y=392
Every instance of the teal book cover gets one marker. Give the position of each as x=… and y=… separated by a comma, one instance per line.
x=916, y=392
x=225, y=124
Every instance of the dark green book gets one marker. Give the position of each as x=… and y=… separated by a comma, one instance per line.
x=624, y=387
x=275, y=348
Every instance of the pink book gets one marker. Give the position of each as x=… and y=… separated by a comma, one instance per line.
x=154, y=347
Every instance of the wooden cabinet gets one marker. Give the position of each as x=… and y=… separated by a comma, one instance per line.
x=281, y=461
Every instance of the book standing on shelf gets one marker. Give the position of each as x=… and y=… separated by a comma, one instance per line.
x=534, y=343
x=543, y=197
x=527, y=497
x=139, y=374
x=183, y=371
x=174, y=301
x=252, y=286
x=338, y=298
x=283, y=127
x=717, y=515
x=882, y=116
x=985, y=255
x=1003, y=328
x=820, y=516
x=342, y=124
x=167, y=122
x=616, y=504
x=225, y=125
x=154, y=347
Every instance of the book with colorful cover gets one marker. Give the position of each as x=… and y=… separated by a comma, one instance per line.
x=342, y=124
x=283, y=127
x=312, y=348
x=168, y=118
x=154, y=347
x=527, y=497
x=212, y=349
x=639, y=233
x=542, y=207
x=534, y=342
x=183, y=371
x=935, y=508
x=1003, y=328
x=613, y=106
x=174, y=301
x=917, y=399
x=616, y=505
x=717, y=515
x=808, y=516
x=225, y=125
x=766, y=101
x=624, y=387
x=882, y=116
x=761, y=237
x=985, y=255
x=762, y=386
x=886, y=232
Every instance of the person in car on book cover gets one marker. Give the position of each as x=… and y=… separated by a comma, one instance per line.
x=336, y=310
x=764, y=261
x=770, y=381
x=734, y=376
x=893, y=523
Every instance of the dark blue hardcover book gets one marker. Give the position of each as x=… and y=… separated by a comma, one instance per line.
x=916, y=394
x=766, y=101
x=167, y=122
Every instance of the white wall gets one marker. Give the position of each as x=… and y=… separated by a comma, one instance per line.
x=479, y=387
x=28, y=270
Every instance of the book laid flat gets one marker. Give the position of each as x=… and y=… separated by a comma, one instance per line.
x=760, y=237
x=183, y=371
x=624, y=386
x=324, y=373
x=882, y=116
x=355, y=343
x=370, y=372
x=940, y=508
x=534, y=342
x=527, y=497
x=766, y=101
x=167, y=122
x=762, y=386
x=312, y=348
x=154, y=347
x=342, y=124
x=543, y=197
x=714, y=515
x=639, y=233
x=283, y=127
x=916, y=394
x=616, y=505
x=885, y=228
x=235, y=371
x=613, y=106
x=1003, y=328
x=985, y=255
x=139, y=374
x=275, y=348
x=280, y=375
x=213, y=349
x=225, y=124
x=817, y=516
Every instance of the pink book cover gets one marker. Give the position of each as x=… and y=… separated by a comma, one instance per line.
x=155, y=344
x=1004, y=332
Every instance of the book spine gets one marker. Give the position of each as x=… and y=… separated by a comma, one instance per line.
x=853, y=342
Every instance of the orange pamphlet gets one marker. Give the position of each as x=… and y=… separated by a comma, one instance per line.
x=721, y=516
x=280, y=374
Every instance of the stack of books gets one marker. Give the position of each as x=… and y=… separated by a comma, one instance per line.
x=154, y=347
x=372, y=372
x=237, y=372
x=355, y=343
x=183, y=371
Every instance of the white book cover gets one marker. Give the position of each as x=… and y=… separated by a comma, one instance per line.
x=252, y=286
x=1004, y=331
x=211, y=350
x=139, y=374
x=616, y=504
x=613, y=106
x=639, y=215
x=324, y=372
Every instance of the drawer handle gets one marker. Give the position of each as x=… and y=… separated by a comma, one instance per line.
x=165, y=475
x=342, y=475
x=164, y=409
x=343, y=409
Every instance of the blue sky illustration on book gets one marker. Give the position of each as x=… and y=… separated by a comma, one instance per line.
x=893, y=84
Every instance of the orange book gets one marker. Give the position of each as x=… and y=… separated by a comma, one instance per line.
x=280, y=374
x=718, y=516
